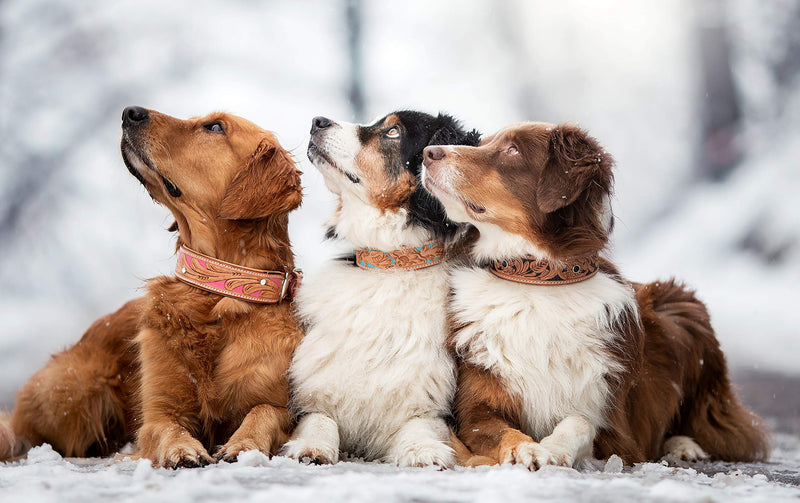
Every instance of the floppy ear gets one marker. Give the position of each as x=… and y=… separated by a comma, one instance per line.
x=575, y=161
x=268, y=184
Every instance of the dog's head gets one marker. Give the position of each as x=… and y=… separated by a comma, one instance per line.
x=207, y=170
x=544, y=188
x=379, y=164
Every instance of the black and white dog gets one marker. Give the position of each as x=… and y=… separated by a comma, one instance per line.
x=373, y=376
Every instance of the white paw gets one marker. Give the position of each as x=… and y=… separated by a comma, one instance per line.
x=304, y=452
x=533, y=456
x=684, y=448
x=427, y=453
x=557, y=454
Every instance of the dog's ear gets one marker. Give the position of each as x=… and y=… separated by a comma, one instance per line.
x=575, y=161
x=268, y=184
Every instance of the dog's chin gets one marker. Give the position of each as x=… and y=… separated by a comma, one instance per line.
x=134, y=163
x=142, y=168
x=323, y=161
x=454, y=206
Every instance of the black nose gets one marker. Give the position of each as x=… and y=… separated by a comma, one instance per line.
x=434, y=153
x=318, y=123
x=134, y=116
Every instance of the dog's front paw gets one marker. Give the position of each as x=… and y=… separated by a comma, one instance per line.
x=187, y=453
x=684, y=448
x=306, y=453
x=554, y=454
x=427, y=453
x=231, y=450
x=170, y=446
x=529, y=454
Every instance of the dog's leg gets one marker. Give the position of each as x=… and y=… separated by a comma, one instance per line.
x=316, y=438
x=488, y=420
x=170, y=408
x=422, y=442
x=570, y=443
x=263, y=428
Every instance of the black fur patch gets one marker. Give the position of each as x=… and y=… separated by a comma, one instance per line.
x=420, y=130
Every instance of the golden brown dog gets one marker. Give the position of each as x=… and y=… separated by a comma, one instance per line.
x=560, y=357
x=207, y=368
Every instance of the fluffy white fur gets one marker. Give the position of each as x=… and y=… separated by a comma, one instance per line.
x=372, y=361
x=549, y=344
x=373, y=376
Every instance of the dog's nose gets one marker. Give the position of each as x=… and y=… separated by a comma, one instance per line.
x=434, y=153
x=134, y=116
x=318, y=123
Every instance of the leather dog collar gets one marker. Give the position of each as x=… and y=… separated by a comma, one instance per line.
x=407, y=259
x=533, y=271
x=231, y=280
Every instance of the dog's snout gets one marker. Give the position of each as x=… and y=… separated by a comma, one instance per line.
x=434, y=153
x=134, y=116
x=318, y=123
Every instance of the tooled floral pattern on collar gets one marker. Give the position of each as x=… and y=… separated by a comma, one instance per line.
x=231, y=280
x=407, y=259
x=533, y=271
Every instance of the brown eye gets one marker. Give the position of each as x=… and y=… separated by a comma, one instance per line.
x=393, y=132
x=214, y=127
x=512, y=150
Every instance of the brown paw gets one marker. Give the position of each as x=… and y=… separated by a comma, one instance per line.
x=183, y=454
x=230, y=451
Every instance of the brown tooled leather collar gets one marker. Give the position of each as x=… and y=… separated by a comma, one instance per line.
x=533, y=271
x=231, y=280
x=407, y=259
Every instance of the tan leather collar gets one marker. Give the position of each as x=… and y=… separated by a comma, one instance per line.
x=407, y=259
x=533, y=271
x=231, y=280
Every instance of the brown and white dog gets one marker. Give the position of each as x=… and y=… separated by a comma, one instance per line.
x=201, y=359
x=561, y=358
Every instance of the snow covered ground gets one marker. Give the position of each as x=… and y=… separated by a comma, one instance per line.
x=627, y=71
x=45, y=476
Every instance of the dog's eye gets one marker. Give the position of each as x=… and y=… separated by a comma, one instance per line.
x=476, y=208
x=512, y=150
x=393, y=133
x=214, y=127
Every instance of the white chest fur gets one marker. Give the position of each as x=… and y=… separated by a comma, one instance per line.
x=374, y=354
x=547, y=343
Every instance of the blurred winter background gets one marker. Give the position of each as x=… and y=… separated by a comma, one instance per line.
x=699, y=101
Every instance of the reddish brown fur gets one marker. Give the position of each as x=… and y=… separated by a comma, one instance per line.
x=549, y=191
x=212, y=367
x=552, y=192
x=82, y=402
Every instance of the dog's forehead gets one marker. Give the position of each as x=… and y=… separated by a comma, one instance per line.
x=391, y=119
x=520, y=130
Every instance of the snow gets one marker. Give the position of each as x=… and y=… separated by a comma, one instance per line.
x=628, y=72
x=46, y=476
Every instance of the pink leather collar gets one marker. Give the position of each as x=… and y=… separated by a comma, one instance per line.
x=231, y=280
